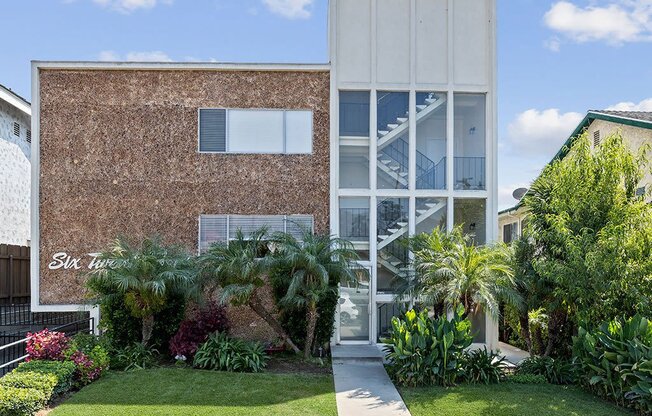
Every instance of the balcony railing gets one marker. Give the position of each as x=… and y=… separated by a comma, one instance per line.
x=470, y=173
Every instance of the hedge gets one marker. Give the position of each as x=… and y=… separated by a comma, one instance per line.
x=20, y=402
x=63, y=370
x=43, y=382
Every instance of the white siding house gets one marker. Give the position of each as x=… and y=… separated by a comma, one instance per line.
x=15, y=143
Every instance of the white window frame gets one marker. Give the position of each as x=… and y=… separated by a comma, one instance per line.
x=284, y=110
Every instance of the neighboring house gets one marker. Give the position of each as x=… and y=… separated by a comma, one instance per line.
x=395, y=136
x=15, y=171
x=635, y=127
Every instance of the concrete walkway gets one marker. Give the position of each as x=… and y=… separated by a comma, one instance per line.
x=513, y=354
x=362, y=386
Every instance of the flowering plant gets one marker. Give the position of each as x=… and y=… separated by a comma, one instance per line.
x=193, y=332
x=46, y=345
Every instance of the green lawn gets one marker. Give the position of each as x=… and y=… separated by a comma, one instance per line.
x=506, y=400
x=171, y=391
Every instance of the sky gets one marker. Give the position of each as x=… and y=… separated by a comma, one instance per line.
x=556, y=59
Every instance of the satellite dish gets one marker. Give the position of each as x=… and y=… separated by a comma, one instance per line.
x=519, y=193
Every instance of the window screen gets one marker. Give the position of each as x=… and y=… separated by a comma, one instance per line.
x=212, y=130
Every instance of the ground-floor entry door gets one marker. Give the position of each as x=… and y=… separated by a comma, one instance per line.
x=354, y=307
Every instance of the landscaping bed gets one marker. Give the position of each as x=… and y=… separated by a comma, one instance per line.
x=506, y=399
x=178, y=391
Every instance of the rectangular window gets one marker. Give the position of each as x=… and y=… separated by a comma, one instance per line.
x=392, y=227
x=471, y=214
x=431, y=140
x=470, y=142
x=223, y=228
x=354, y=114
x=255, y=131
x=510, y=232
x=354, y=223
x=392, y=140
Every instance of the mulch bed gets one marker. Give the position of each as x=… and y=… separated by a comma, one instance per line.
x=291, y=364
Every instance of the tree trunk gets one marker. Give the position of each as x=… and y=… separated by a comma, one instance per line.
x=148, y=327
x=556, y=321
x=257, y=306
x=538, y=344
x=525, y=332
x=310, y=329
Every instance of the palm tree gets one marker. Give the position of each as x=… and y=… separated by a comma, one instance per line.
x=144, y=275
x=316, y=263
x=452, y=270
x=239, y=269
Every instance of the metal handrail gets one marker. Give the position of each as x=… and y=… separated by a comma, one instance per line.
x=91, y=320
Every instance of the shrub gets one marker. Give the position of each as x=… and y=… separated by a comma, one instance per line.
x=63, y=370
x=20, y=402
x=121, y=329
x=556, y=371
x=526, y=379
x=43, y=382
x=136, y=357
x=482, y=366
x=220, y=352
x=424, y=351
x=46, y=345
x=89, y=367
x=615, y=361
x=193, y=332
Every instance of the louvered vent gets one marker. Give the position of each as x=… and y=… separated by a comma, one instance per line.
x=212, y=130
x=28, y=137
x=212, y=228
x=596, y=138
x=16, y=129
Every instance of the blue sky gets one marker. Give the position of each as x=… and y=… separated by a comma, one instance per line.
x=556, y=59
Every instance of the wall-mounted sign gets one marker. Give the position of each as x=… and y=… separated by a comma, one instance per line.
x=64, y=261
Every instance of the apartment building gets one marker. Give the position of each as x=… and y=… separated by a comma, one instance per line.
x=394, y=136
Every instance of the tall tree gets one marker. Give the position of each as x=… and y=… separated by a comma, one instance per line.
x=239, y=268
x=592, y=230
x=145, y=275
x=316, y=263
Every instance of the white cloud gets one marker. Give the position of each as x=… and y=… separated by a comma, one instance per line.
x=149, y=56
x=645, y=105
x=128, y=6
x=291, y=9
x=541, y=133
x=615, y=23
x=553, y=44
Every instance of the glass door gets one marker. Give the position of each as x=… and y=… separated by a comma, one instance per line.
x=354, y=307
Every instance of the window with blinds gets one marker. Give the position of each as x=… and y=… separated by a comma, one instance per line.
x=222, y=228
x=255, y=131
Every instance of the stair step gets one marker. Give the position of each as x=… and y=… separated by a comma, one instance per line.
x=386, y=161
x=393, y=230
x=402, y=119
x=395, y=167
x=402, y=224
x=382, y=133
x=403, y=174
x=394, y=263
x=431, y=204
x=383, y=237
x=392, y=126
x=431, y=100
x=422, y=211
x=421, y=107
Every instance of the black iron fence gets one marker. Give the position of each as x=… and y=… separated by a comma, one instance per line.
x=12, y=345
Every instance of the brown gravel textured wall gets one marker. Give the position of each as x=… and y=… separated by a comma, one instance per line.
x=118, y=153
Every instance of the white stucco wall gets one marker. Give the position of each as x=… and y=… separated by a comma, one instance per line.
x=14, y=177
